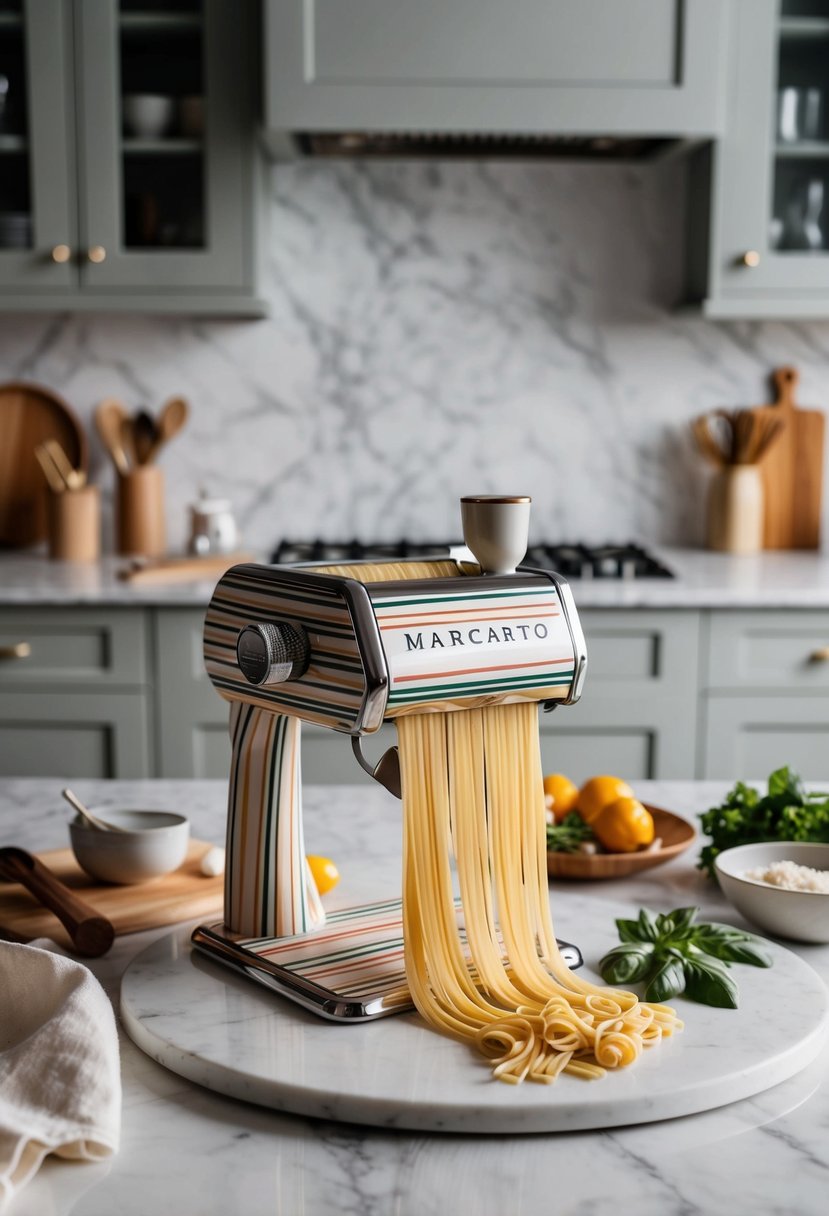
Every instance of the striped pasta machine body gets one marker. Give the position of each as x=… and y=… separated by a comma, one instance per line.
x=349, y=648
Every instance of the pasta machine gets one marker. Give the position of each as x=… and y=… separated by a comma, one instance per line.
x=291, y=644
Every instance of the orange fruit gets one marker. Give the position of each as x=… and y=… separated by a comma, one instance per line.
x=563, y=793
x=324, y=872
x=624, y=825
x=596, y=793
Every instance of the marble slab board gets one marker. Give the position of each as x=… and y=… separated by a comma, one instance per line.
x=227, y=1034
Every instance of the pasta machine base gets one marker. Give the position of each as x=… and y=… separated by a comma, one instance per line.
x=349, y=970
x=217, y=1029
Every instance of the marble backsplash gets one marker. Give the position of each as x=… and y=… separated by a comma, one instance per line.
x=438, y=330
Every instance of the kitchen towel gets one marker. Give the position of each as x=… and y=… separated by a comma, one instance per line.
x=60, y=1077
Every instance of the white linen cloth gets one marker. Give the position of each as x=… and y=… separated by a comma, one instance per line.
x=60, y=1076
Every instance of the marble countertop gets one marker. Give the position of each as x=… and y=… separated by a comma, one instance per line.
x=185, y=1149
x=704, y=580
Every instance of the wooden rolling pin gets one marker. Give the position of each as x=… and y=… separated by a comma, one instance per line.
x=181, y=569
x=91, y=934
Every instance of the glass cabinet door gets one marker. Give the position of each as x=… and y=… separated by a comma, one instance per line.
x=772, y=172
x=37, y=216
x=163, y=127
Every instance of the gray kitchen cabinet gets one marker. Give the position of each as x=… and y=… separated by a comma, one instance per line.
x=769, y=652
x=37, y=171
x=148, y=197
x=764, y=249
x=74, y=698
x=749, y=737
x=191, y=719
x=638, y=714
x=597, y=67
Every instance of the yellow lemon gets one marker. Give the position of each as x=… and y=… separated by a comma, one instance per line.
x=598, y=792
x=324, y=872
x=563, y=793
x=624, y=826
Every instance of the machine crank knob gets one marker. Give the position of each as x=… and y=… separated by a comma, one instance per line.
x=272, y=654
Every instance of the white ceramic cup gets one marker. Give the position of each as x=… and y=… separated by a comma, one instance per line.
x=147, y=115
x=496, y=528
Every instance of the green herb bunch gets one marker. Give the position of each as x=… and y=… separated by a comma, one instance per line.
x=785, y=812
x=568, y=836
x=673, y=955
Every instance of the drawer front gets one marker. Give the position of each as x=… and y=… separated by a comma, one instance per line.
x=74, y=734
x=772, y=650
x=634, y=654
x=746, y=738
x=51, y=647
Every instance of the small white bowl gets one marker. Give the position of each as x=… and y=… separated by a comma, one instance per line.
x=802, y=916
x=154, y=843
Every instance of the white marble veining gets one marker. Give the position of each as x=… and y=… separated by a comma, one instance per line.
x=186, y=1149
x=703, y=580
x=439, y=329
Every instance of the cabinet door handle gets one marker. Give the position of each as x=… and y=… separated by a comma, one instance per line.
x=821, y=655
x=61, y=254
x=750, y=258
x=96, y=254
x=20, y=650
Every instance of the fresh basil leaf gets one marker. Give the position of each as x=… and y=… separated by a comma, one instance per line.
x=784, y=783
x=707, y=981
x=739, y=952
x=629, y=930
x=668, y=981
x=648, y=929
x=627, y=963
x=684, y=918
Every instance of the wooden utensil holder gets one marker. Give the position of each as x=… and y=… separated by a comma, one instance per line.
x=74, y=519
x=140, y=512
x=735, y=510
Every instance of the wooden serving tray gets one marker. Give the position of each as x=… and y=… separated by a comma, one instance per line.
x=186, y=894
x=675, y=833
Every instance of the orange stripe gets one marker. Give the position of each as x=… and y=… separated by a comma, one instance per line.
x=396, y=616
x=452, y=620
x=472, y=671
x=327, y=938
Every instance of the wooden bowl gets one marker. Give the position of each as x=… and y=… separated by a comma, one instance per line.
x=675, y=833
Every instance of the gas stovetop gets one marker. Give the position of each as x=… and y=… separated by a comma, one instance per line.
x=571, y=560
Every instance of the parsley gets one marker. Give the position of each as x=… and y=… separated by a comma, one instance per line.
x=567, y=836
x=785, y=812
x=673, y=955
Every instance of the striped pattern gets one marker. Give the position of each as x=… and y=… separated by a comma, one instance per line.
x=268, y=887
x=504, y=644
x=358, y=955
x=331, y=692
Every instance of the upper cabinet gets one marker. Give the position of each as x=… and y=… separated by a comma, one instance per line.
x=767, y=251
x=596, y=67
x=127, y=158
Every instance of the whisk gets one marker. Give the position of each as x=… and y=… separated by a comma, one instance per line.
x=730, y=437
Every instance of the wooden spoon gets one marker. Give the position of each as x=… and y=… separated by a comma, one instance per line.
x=91, y=933
x=109, y=417
x=89, y=819
x=170, y=421
x=145, y=437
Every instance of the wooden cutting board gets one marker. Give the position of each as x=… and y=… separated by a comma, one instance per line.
x=29, y=415
x=792, y=470
x=184, y=895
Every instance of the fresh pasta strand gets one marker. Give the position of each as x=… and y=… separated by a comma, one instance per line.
x=472, y=788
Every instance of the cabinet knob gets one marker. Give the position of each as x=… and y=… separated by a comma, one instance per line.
x=750, y=258
x=96, y=254
x=61, y=254
x=821, y=655
x=20, y=650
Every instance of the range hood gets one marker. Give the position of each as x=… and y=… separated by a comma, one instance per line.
x=480, y=79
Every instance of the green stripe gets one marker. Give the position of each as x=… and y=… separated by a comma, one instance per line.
x=478, y=686
x=462, y=597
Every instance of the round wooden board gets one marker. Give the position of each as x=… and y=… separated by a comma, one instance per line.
x=29, y=415
x=675, y=833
